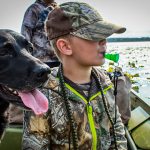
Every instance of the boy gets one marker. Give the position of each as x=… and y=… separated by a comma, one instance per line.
x=81, y=102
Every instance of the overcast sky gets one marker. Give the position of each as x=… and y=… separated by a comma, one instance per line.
x=133, y=14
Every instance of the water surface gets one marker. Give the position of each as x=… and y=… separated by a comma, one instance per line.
x=135, y=59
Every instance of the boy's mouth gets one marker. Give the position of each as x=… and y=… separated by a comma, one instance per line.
x=102, y=54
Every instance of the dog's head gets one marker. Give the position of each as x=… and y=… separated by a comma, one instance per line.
x=20, y=72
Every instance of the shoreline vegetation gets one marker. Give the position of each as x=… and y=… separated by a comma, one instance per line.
x=129, y=39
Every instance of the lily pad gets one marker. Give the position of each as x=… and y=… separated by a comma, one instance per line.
x=135, y=88
x=136, y=75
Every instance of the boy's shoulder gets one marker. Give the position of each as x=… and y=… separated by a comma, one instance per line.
x=104, y=77
x=53, y=80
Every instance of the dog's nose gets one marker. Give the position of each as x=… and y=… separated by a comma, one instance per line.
x=41, y=74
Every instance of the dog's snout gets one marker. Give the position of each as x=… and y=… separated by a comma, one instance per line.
x=41, y=74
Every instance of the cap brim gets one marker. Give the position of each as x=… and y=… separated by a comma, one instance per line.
x=98, y=31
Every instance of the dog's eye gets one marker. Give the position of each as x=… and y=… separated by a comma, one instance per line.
x=30, y=50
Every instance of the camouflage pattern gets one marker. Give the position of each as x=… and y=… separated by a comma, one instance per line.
x=123, y=98
x=123, y=94
x=52, y=130
x=86, y=22
x=33, y=30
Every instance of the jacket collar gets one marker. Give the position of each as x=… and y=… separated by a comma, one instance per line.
x=53, y=82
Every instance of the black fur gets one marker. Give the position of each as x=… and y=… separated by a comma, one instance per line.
x=3, y=119
x=19, y=71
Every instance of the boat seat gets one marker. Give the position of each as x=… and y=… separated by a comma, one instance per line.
x=139, y=128
x=12, y=139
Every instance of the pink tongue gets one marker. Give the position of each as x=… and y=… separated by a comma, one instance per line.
x=35, y=100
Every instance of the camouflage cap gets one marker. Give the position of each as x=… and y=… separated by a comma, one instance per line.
x=81, y=20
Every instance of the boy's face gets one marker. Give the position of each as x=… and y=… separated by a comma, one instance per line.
x=88, y=53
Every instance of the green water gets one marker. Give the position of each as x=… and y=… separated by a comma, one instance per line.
x=135, y=59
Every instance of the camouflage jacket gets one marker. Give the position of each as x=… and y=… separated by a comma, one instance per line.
x=33, y=30
x=52, y=130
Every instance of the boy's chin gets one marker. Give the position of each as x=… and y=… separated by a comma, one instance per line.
x=100, y=63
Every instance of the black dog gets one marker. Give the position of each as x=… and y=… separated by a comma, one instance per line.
x=20, y=74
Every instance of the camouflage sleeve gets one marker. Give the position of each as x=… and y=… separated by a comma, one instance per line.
x=27, y=32
x=36, y=132
x=29, y=22
x=120, y=132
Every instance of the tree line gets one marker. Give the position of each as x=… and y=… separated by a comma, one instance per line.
x=129, y=39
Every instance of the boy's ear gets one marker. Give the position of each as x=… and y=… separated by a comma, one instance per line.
x=64, y=46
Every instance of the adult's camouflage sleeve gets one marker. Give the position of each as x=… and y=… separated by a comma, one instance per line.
x=27, y=32
x=29, y=22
